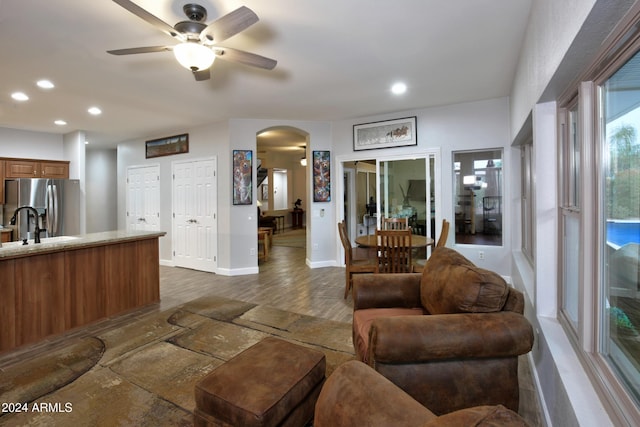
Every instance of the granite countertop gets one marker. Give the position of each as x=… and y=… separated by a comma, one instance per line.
x=62, y=243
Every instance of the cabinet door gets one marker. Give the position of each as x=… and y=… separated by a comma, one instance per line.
x=58, y=170
x=7, y=305
x=21, y=169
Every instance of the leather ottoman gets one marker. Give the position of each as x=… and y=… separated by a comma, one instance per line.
x=273, y=383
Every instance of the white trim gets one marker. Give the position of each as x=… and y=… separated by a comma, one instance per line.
x=237, y=271
x=585, y=402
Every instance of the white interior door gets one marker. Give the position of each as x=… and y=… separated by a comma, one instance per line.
x=143, y=198
x=195, y=215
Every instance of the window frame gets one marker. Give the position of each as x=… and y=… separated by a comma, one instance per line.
x=587, y=335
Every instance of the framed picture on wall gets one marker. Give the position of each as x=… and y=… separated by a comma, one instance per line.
x=176, y=144
x=321, y=176
x=385, y=134
x=242, y=177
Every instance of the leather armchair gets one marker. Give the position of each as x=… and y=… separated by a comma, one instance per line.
x=450, y=337
x=356, y=395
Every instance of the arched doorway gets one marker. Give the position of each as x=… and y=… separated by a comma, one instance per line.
x=282, y=180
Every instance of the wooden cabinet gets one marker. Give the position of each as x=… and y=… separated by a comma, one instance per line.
x=58, y=170
x=17, y=168
x=20, y=169
x=28, y=168
x=40, y=297
x=45, y=294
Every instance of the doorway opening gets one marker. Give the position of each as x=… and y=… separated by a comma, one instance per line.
x=390, y=186
x=282, y=184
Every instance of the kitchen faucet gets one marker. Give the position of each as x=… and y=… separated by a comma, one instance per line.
x=36, y=216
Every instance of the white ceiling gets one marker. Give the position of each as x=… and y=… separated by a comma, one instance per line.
x=336, y=60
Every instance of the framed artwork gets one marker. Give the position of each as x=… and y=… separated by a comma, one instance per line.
x=321, y=176
x=176, y=144
x=385, y=134
x=242, y=177
x=265, y=192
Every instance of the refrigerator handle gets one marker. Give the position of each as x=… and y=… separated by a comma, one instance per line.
x=49, y=207
x=52, y=210
x=56, y=213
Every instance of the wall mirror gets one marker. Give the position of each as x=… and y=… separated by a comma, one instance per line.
x=478, y=197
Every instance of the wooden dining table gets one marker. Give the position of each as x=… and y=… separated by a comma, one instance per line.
x=417, y=241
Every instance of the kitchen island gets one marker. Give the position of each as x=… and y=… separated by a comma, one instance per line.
x=70, y=281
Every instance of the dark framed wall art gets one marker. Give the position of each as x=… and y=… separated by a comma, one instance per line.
x=242, y=177
x=176, y=144
x=385, y=134
x=321, y=176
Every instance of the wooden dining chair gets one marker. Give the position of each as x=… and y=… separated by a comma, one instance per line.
x=444, y=234
x=418, y=264
x=394, y=251
x=352, y=265
x=395, y=223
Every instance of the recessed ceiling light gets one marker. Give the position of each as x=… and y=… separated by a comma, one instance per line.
x=86, y=142
x=60, y=122
x=399, y=88
x=20, y=96
x=45, y=84
x=95, y=111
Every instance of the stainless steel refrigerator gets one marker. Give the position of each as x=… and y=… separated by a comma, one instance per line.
x=57, y=202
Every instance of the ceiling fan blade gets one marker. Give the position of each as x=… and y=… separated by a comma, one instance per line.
x=229, y=25
x=135, y=50
x=202, y=75
x=151, y=19
x=245, y=58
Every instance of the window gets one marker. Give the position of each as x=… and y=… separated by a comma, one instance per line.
x=599, y=223
x=478, y=197
x=620, y=216
x=527, y=205
x=570, y=214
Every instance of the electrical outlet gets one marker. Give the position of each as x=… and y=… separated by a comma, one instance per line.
x=252, y=251
x=315, y=246
x=480, y=254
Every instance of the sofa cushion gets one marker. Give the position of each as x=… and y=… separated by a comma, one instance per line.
x=362, y=320
x=451, y=283
x=479, y=416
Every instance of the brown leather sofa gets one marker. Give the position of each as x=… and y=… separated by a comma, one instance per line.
x=356, y=395
x=450, y=336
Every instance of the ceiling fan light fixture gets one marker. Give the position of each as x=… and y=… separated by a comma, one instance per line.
x=194, y=56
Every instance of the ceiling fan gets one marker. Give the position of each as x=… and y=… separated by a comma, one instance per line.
x=198, y=41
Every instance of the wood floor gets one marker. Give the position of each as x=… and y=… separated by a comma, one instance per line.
x=284, y=282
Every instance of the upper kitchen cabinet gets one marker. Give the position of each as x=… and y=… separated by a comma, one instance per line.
x=15, y=168
x=59, y=170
